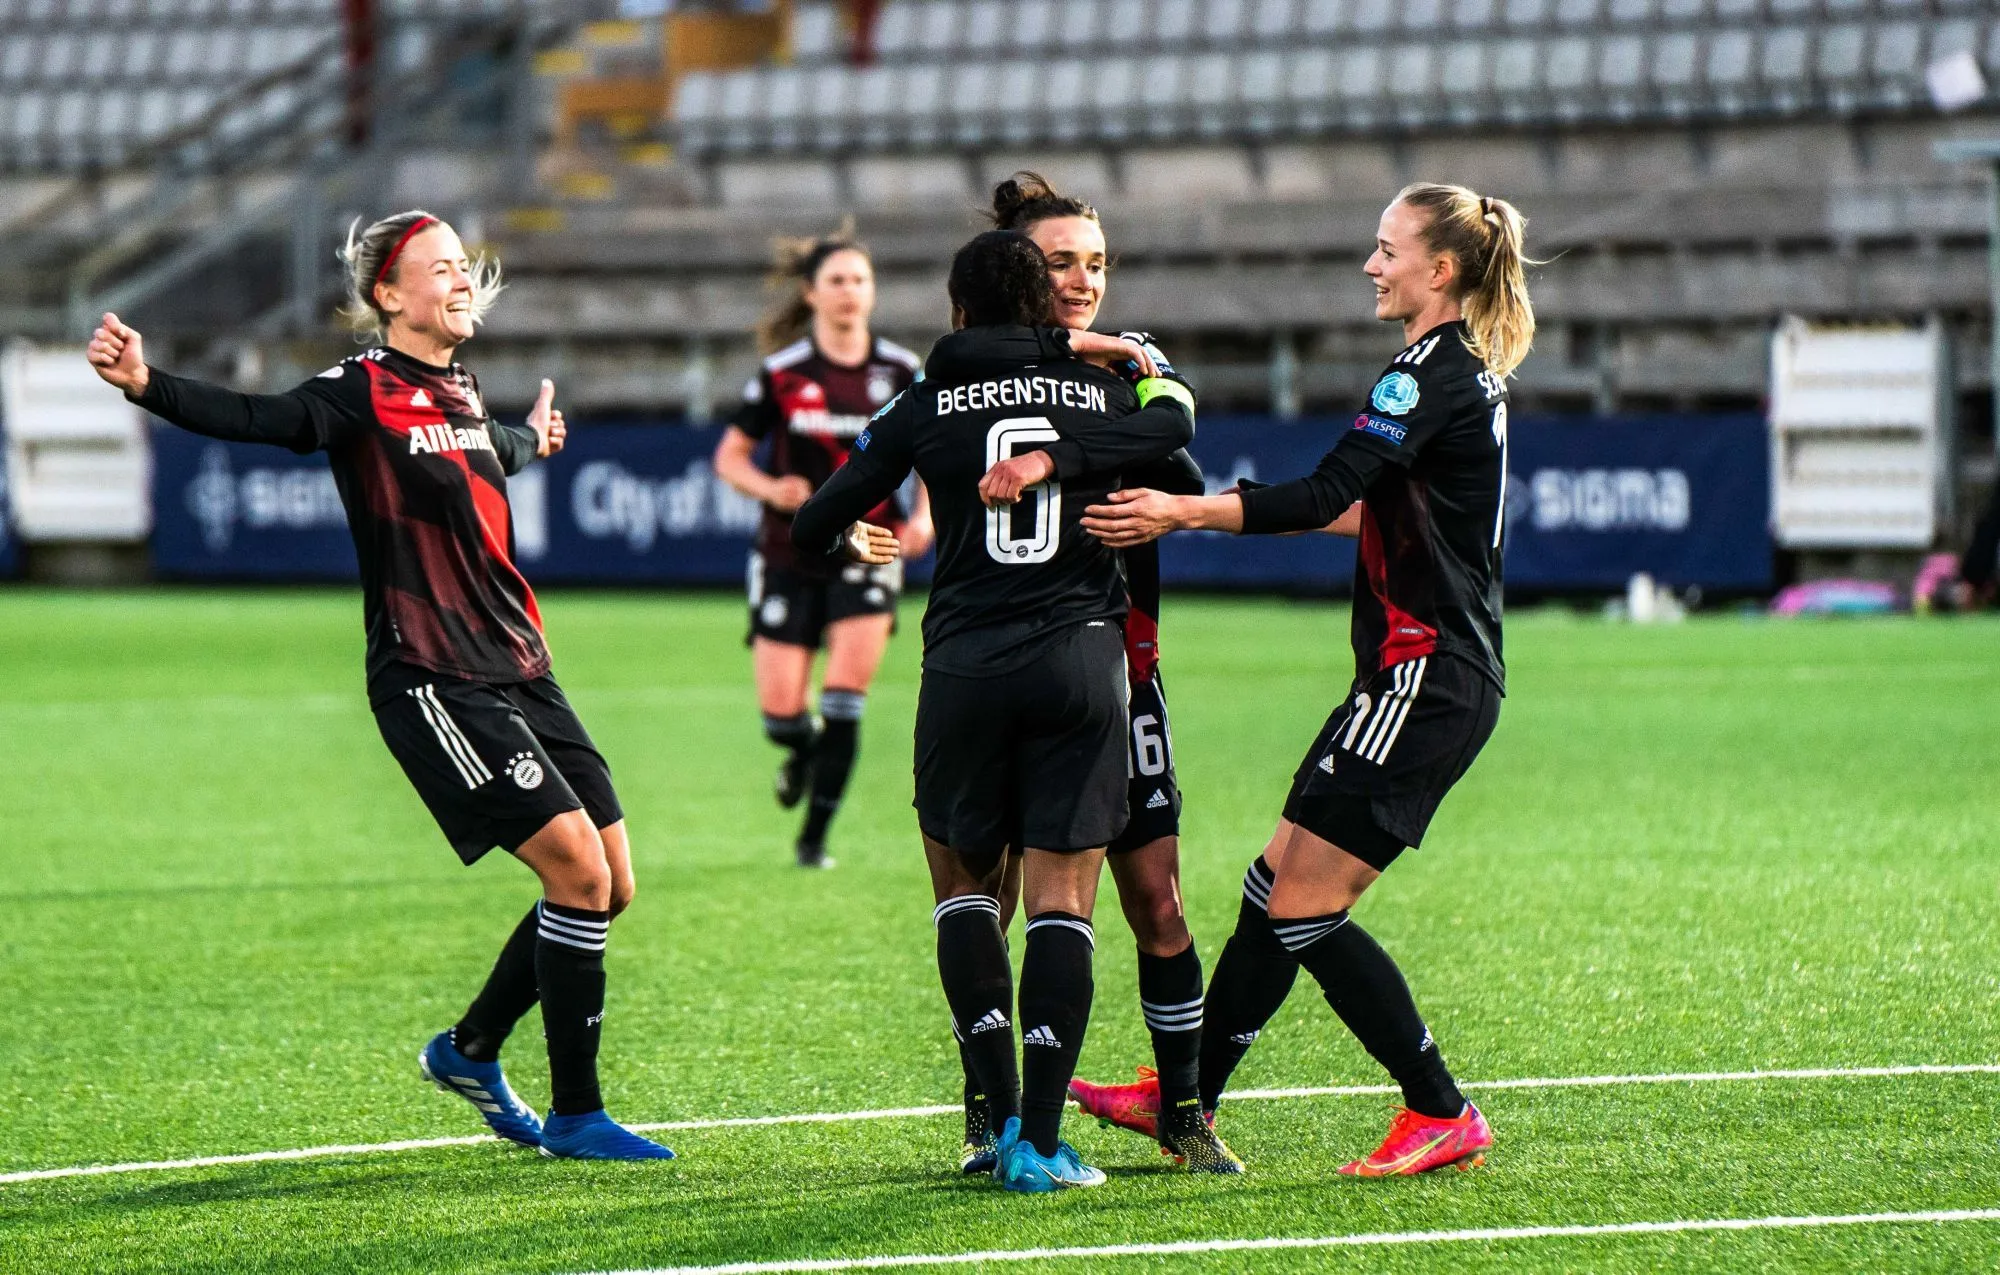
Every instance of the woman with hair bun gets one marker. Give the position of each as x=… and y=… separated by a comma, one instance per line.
x=457, y=668
x=1145, y=857
x=824, y=374
x=1426, y=460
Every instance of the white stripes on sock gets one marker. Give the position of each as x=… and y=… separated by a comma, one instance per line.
x=1068, y=923
x=1257, y=884
x=583, y=935
x=966, y=903
x=1303, y=932
x=1185, y=1017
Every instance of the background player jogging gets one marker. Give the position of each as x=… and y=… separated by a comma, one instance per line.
x=823, y=376
x=1145, y=858
x=1427, y=456
x=1020, y=732
x=457, y=669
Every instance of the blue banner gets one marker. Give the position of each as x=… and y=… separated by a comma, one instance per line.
x=1684, y=498
x=245, y=511
x=1589, y=503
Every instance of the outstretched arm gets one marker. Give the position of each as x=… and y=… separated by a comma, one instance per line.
x=303, y=419
x=1323, y=499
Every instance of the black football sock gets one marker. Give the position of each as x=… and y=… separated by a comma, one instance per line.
x=1056, y=989
x=979, y=986
x=1368, y=992
x=795, y=733
x=833, y=759
x=569, y=965
x=510, y=992
x=1170, y=998
x=1250, y=984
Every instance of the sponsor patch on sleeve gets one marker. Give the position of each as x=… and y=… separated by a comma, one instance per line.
x=1369, y=423
x=1395, y=393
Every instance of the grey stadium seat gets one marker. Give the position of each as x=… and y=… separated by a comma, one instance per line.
x=1676, y=64
x=1163, y=95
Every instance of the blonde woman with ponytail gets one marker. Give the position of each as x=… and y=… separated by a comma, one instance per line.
x=1421, y=477
x=458, y=670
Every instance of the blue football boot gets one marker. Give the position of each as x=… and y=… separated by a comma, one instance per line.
x=596, y=1136
x=1022, y=1168
x=1010, y=1135
x=482, y=1085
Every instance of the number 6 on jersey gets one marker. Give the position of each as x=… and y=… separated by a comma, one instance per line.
x=1004, y=441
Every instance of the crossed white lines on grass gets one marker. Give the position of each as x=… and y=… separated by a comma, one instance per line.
x=900, y=1113
x=1379, y=1239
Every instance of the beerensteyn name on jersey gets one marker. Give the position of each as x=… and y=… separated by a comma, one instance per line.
x=1021, y=391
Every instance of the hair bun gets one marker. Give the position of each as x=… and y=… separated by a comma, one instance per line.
x=1008, y=199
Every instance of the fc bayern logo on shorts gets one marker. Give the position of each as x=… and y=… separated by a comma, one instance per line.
x=526, y=770
x=773, y=612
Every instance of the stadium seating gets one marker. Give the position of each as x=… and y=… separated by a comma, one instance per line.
x=975, y=72
x=92, y=84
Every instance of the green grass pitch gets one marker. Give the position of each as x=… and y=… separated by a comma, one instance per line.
x=1733, y=844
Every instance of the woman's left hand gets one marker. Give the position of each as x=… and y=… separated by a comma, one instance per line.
x=1133, y=517
x=867, y=543
x=547, y=422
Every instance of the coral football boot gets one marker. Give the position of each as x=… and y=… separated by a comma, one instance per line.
x=1420, y=1143
x=1135, y=1106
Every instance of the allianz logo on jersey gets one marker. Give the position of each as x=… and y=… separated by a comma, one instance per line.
x=1600, y=500
x=260, y=499
x=820, y=423
x=427, y=439
x=610, y=502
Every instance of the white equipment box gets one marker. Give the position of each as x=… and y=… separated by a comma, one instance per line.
x=79, y=464
x=1861, y=436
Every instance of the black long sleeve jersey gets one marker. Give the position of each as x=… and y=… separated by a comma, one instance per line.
x=422, y=470
x=1429, y=457
x=1008, y=581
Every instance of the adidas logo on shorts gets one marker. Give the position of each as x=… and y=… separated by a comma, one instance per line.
x=1041, y=1036
x=1326, y=763
x=993, y=1021
x=1158, y=800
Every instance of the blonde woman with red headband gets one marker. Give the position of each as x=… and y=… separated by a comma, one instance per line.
x=457, y=668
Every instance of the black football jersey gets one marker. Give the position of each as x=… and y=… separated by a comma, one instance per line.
x=422, y=470
x=1428, y=456
x=810, y=408
x=1008, y=581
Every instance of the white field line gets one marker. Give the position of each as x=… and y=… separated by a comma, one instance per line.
x=1481, y=1235
x=901, y=1113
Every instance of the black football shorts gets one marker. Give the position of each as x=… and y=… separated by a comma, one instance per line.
x=494, y=762
x=1386, y=757
x=1032, y=758
x=794, y=607
x=1152, y=793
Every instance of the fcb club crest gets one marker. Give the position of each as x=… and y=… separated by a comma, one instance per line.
x=881, y=388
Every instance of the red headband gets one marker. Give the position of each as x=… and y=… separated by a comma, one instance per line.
x=421, y=223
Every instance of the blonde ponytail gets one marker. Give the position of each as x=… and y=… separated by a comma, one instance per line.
x=1488, y=238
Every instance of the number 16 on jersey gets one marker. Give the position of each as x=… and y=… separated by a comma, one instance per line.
x=1004, y=441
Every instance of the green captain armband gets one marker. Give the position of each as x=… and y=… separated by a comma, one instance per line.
x=1161, y=387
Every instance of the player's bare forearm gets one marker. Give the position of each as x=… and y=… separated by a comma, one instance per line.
x=1349, y=523
x=1135, y=517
